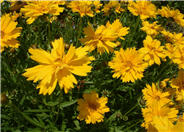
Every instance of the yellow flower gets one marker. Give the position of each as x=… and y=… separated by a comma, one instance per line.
x=161, y=111
x=170, y=49
x=162, y=124
x=175, y=14
x=112, y=5
x=151, y=29
x=34, y=9
x=82, y=7
x=58, y=67
x=178, y=57
x=175, y=38
x=178, y=82
x=9, y=32
x=92, y=108
x=153, y=95
x=152, y=51
x=163, y=83
x=97, y=5
x=143, y=8
x=103, y=37
x=128, y=65
x=180, y=96
x=118, y=29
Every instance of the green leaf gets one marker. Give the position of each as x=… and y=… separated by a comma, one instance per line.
x=66, y=104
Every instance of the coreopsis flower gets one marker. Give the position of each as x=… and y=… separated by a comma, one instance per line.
x=151, y=29
x=82, y=7
x=34, y=9
x=104, y=36
x=175, y=14
x=178, y=57
x=175, y=38
x=56, y=66
x=152, y=51
x=92, y=108
x=128, y=65
x=118, y=29
x=97, y=5
x=112, y=5
x=178, y=82
x=163, y=124
x=143, y=8
x=170, y=49
x=149, y=113
x=164, y=82
x=9, y=32
x=153, y=95
x=180, y=96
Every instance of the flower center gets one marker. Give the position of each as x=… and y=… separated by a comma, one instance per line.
x=93, y=106
x=59, y=63
x=157, y=98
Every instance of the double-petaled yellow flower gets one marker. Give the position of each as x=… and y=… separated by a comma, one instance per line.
x=37, y=8
x=92, y=108
x=112, y=5
x=82, y=7
x=9, y=32
x=128, y=64
x=104, y=36
x=153, y=95
x=152, y=51
x=143, y=8
x=58, y=67
x=175, y=14
x=151, y=29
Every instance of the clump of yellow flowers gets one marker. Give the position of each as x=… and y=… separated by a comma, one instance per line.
x=61, y=66
x=161, y=112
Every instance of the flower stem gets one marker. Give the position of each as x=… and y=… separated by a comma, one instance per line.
x=130, y=110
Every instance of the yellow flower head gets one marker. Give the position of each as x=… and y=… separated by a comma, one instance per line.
x=58, y=67
x=143, y=8
x=118, y=29
x=151, y=29
x=82, y=7
x=97, y=5
x=175, y=38
x=163, y=124
x=175, y=14
x=170, y=49
x=153, y=95
x=178, y=57
x=9, y=32
x=103, y=37
x=180, y=96
x=152, y=51
x=178, y=82
x=112, y=5
x=34, y=9
x=92, y=108
x=161, y=111
x=128, y=65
